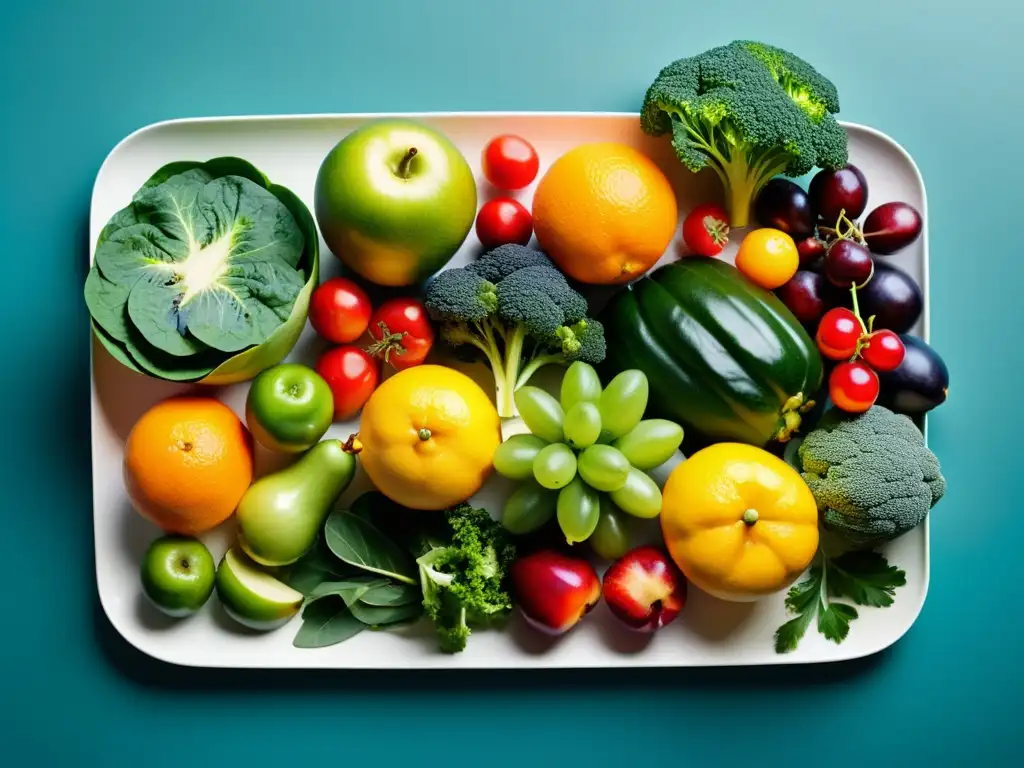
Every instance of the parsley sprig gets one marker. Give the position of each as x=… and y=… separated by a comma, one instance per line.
x=863, y=578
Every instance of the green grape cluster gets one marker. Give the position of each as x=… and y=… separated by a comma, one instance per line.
x=586, y=459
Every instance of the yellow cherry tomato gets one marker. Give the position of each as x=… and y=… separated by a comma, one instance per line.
x=429, y=434
x=768, y=257
x=739, y=522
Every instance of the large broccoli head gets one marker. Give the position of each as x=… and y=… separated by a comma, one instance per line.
x=750, y=111
x=872, y=475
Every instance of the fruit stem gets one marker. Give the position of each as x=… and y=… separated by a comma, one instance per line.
x=851, y=228
x=750, y=516
x=387, y=343
x=856, y=309
x=423, y=434
x=353, y=445
x=406, y=162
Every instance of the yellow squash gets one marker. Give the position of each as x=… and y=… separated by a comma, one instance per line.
x=428, y=435
x=739, y=522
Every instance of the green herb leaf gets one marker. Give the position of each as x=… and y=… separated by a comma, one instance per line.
x=834, y=621
x=326, y=621
x=359, y=543
x=393, y=594
x=866, y=578
x=375, y=616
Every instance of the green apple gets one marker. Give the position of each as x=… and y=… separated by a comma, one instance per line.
x=253, y=597
x=177, y=575
x=289, y=408
x=394, y=200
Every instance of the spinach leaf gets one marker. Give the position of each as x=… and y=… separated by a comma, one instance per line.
x=316, y=566
x=326, y=621
x=390, y=594
x=210, y=263
x=106, y=302
x=375, y=616
x=350, y=590
x=359, y=543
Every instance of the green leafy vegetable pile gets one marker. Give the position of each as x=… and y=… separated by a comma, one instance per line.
x=513, y=309
x=205, y=275
x=749, y=111
x=381, y=565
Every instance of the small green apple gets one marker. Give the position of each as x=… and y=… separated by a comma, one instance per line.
x=253, y=597
x=177, y=575
x=289, y=408
x=395, y=200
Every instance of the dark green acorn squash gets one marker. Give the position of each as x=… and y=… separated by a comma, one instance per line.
x=723, y=357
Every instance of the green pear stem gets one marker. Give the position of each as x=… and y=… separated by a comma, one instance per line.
x=405, y=163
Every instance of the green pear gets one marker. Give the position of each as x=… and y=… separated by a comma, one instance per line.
x=281, y=514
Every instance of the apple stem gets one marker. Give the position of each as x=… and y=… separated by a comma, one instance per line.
x=405, y=162
x=750, y=516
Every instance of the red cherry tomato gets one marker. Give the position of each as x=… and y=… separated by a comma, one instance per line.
x=402, y=333
x=884, y=351
x=339, y=310
x=706, y=229
x=503, y=220
x=510, y=162
x=352, y=376
x=838, y=334
x=853, y=387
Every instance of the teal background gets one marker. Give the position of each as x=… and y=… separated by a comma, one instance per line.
x=943, y=78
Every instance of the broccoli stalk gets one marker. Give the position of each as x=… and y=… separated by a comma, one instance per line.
x=516, y=311
x=463, y=575
x=749, y=111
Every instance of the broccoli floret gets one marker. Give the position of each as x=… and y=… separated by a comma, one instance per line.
x=750, y=111
x=871, y=474
x=464, y=575
x=503, y=260
x=518, y=312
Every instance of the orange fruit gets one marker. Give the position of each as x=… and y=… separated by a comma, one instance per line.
x=187, y=462
x=768, y=257
x=604, y=213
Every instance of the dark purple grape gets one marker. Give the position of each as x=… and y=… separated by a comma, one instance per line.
x=784, y=205
x=918, y=384
x=807, y=295
x=891, y=227
x=848, y=264
x=810, y=249
x=833, y=192
x=892, y=297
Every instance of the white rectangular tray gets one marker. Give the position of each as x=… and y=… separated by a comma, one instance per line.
x=289, y=149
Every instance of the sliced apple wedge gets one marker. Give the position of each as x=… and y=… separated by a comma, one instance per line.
x=253, y=597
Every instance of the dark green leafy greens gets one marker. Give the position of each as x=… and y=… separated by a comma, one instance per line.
x=863, y=577
x=363, y=578
x=359, y=543
x=206, y=275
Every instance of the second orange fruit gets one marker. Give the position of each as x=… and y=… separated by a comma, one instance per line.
x=187, y=462
x=604, y=213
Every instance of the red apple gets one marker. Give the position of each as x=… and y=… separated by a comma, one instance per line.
x=554, y=591
x=645, y=589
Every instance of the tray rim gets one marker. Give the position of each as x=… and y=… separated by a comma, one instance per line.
x=925, y=282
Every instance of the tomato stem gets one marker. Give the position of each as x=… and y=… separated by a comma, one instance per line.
x=387, y=343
